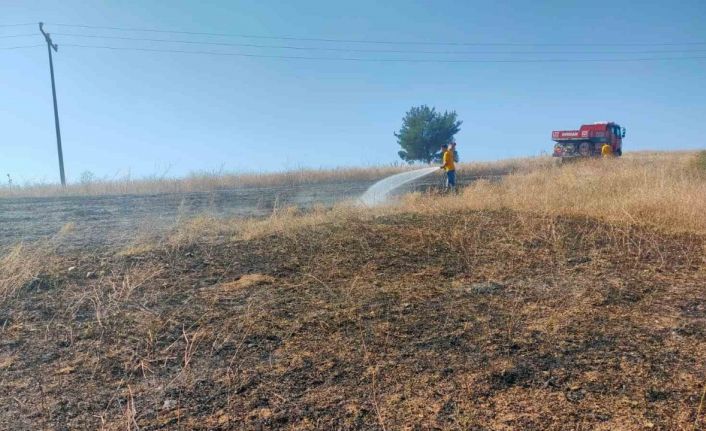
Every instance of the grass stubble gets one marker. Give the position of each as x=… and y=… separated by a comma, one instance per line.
x=559, y=297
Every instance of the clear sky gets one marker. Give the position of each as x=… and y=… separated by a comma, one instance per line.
x=153, y=112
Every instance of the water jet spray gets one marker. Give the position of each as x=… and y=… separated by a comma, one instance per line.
x=379, y=192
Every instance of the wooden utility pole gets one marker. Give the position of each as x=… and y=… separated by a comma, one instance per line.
x=51, y=45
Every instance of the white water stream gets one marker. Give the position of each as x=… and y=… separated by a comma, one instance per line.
x=379, y=192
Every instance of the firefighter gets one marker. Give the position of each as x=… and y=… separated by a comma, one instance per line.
x=447, y=159
x=606, y=151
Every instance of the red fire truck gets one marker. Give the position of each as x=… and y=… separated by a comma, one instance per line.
x=588, y=140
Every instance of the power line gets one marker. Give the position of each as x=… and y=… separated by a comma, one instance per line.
x=18, y=35
x=387, y=51
x=17, y=25
x=386, y=42
x=405, y=60
x=386, y=60
x=377, y=60
x=20, y=47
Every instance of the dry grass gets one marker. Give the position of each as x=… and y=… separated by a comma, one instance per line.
x=26, y=265
x=664, y=190
x=17, y=266
x=700, y=162
x=282, y=221
x=455, y=320
x=542, y=301
x=209, y=181
x=198, y=182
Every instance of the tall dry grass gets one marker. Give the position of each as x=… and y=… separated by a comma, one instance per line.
x=22, y=263
x=217, y=180
x=16, y=267
x=196, y=182
x=666, y=190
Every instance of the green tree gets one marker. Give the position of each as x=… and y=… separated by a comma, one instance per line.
x=87, y=177
x=424, y=131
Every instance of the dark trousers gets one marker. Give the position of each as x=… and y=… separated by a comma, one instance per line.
x=451, y=179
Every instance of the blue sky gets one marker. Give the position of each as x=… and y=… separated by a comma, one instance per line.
x=148, y=113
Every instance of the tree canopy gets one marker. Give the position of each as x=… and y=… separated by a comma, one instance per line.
x=424, y=131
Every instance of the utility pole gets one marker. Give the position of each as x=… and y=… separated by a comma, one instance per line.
x=51, y=45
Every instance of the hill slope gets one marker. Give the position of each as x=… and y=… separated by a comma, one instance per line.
x=459, y=319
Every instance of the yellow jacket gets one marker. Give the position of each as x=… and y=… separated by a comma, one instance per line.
x=606, y=150
x=448, y=161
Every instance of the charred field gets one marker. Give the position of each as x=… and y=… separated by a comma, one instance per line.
x=463, y=319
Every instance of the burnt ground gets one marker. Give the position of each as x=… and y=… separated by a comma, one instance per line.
x=107, y=220
x=468, y=321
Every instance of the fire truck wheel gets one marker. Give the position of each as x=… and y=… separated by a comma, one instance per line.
x=585, y=149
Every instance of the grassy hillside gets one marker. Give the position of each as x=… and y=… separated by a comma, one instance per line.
x=666, y=190
x=559, y=298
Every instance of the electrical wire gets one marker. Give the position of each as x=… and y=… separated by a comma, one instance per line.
x=385, y=51
x=18, y=35
x=17, y=25
x=386, y=42
x=385, y=60
x=357, y=59
x=20, y=47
